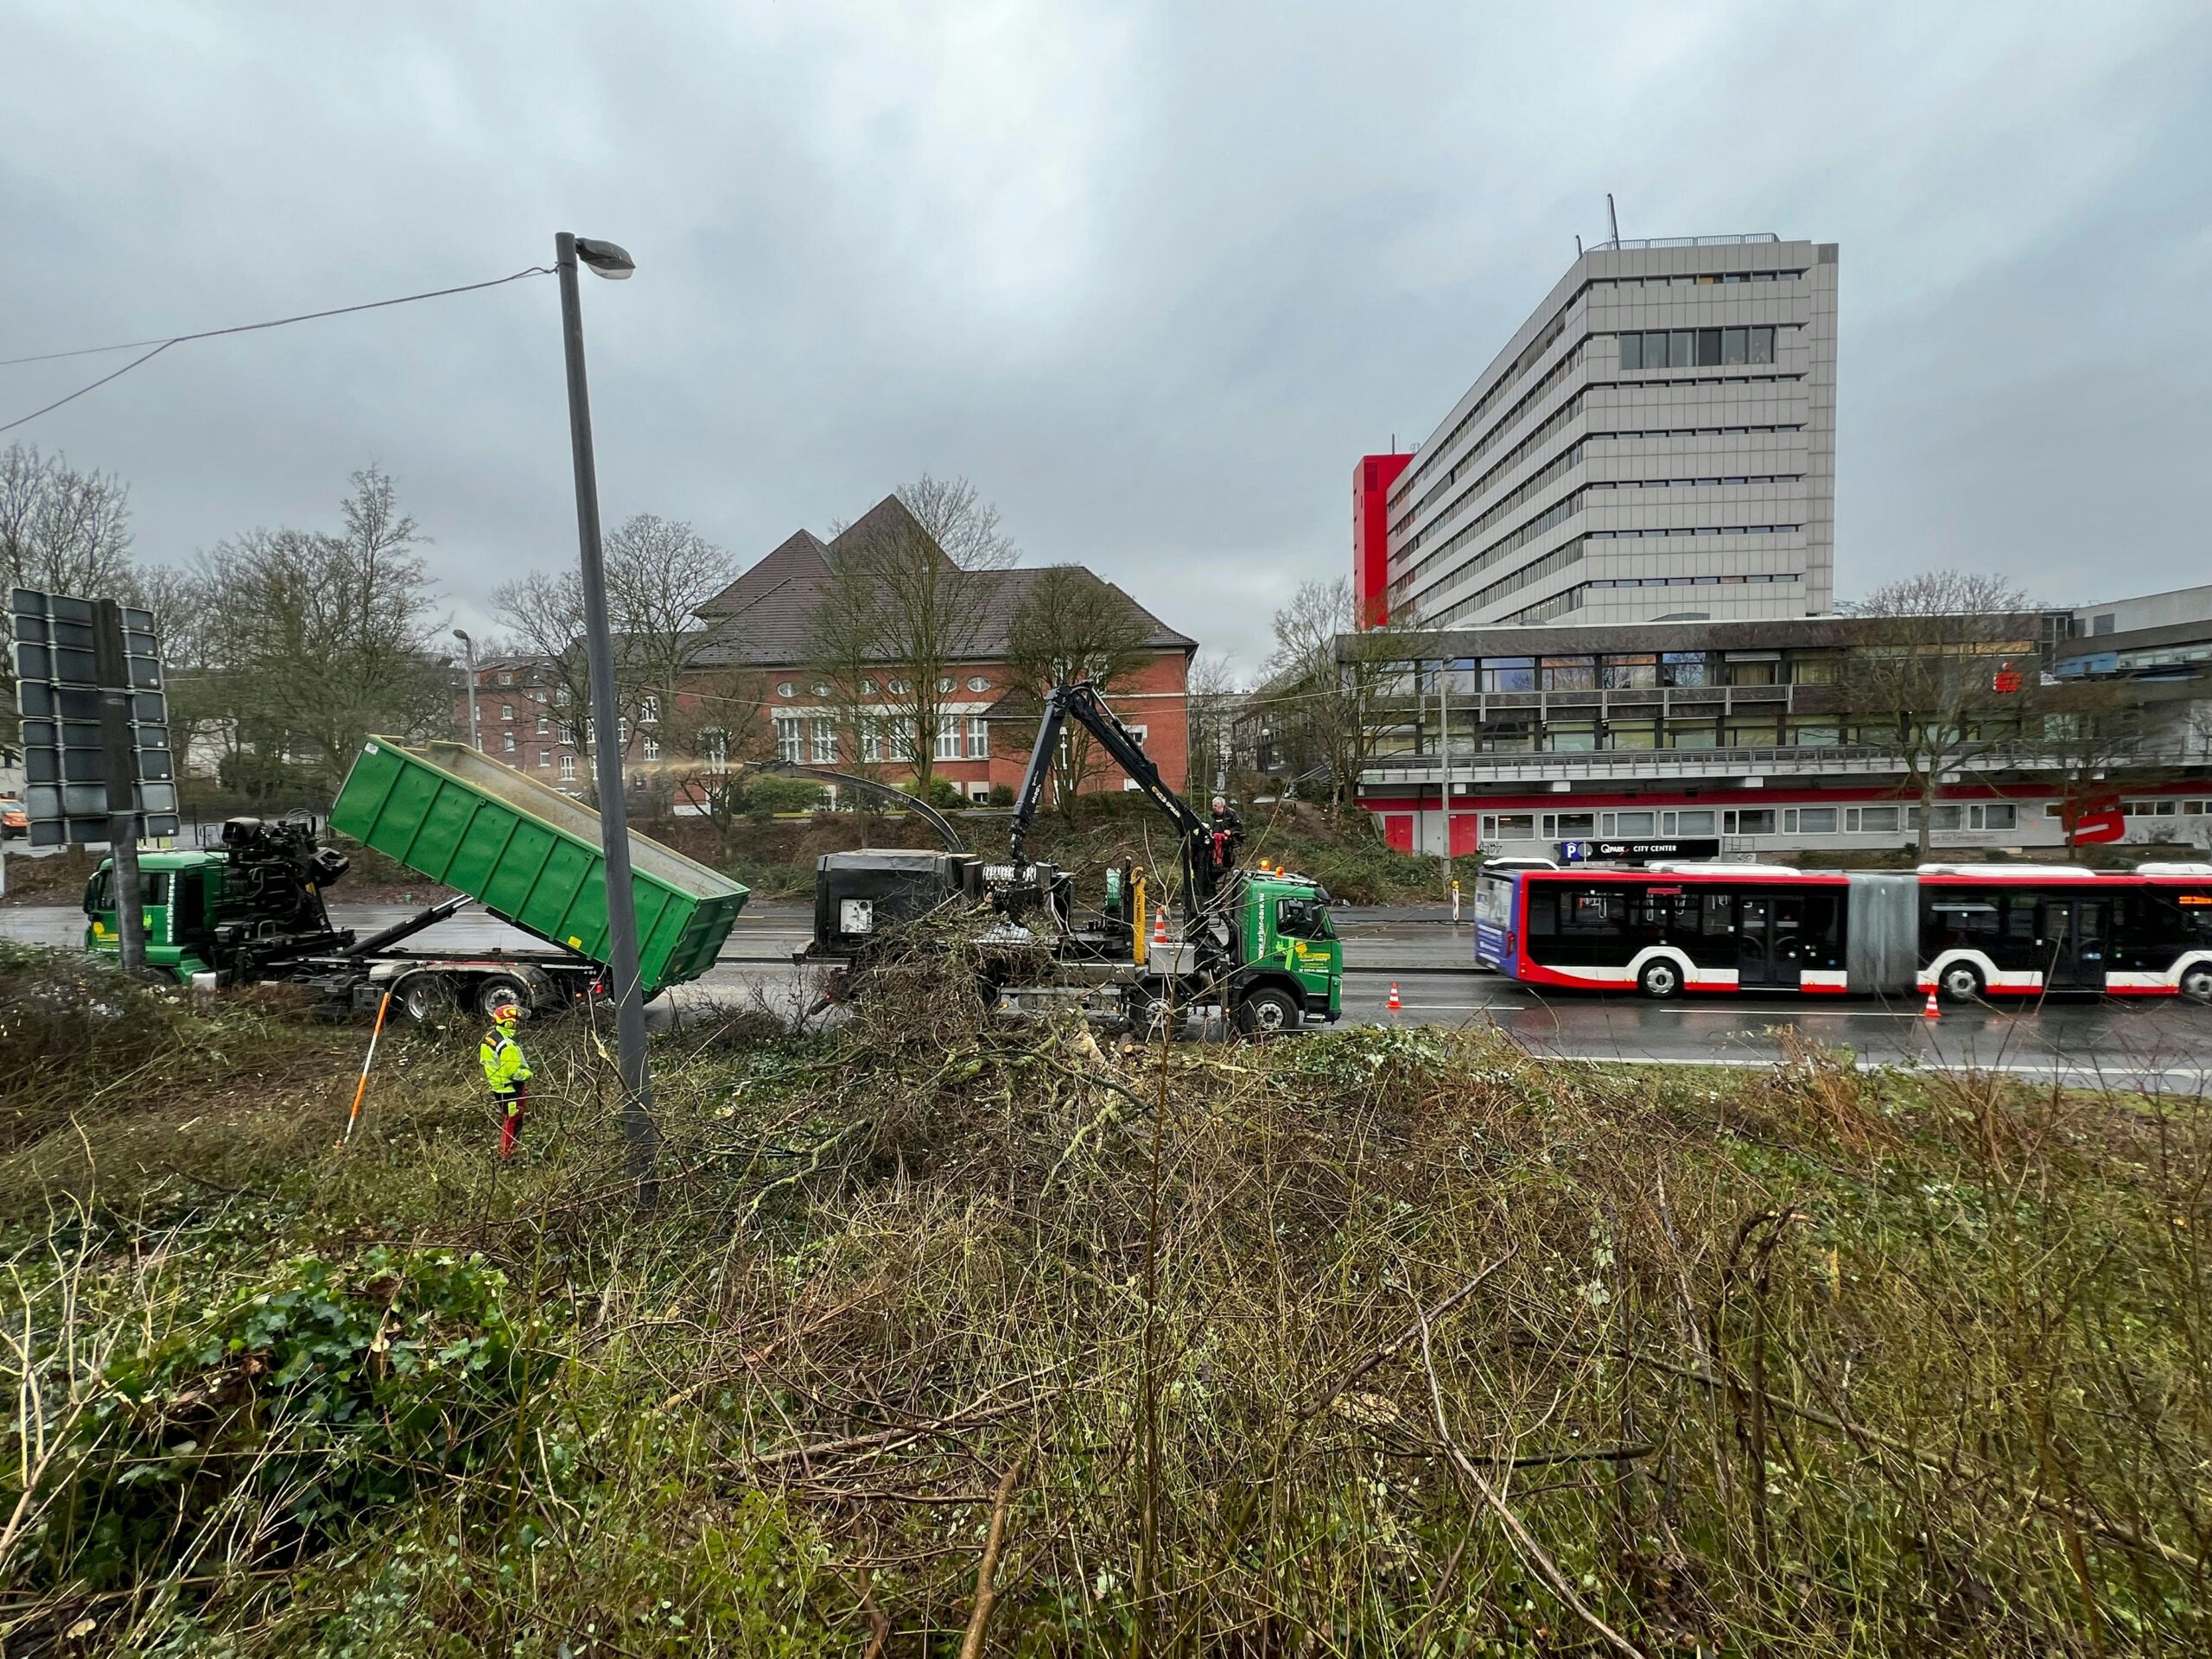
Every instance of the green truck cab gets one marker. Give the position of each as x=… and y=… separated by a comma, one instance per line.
x=180, y=893
x=1292, y=963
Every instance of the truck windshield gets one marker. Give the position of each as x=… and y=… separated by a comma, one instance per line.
x=1302, y=918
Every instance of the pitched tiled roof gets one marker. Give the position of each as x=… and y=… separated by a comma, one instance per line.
x=762, y=617
x=801, y=555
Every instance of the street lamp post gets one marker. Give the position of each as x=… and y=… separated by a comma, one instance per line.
x=613, y=813
x=475, y=732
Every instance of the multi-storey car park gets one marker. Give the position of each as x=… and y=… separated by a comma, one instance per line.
x=1664, y=421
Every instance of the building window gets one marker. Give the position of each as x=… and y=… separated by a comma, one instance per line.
x=1695, y=348
x=568, y=768
x=652, y=747
x=1682, y=668
x=979, y=737
x=900, y=688
x=791, y=743
x=506, y=679
x=1570, y=673
x=825, y=741
x=507, y=711
x=1631, y=673
x=648, y=711
x=870, y=738
x=545, y=759
x=1509, y=673
x=948, y=737
x=713, y=749
x=868, y=687
x=509, y=746
x=979, y=683
x=1633, y=823
x=544, y=726
x=786, y=690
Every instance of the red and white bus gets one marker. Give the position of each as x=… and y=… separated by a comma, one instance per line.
x=1963, y=931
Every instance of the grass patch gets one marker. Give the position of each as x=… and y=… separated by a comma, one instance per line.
x=1383, y=1341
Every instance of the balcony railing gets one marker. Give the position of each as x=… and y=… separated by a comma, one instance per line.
x=1664, y=765
x=1630, y=243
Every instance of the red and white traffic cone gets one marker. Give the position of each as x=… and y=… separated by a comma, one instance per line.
x=1931, y=1011
x=1160, y=927
x=1395, y=1005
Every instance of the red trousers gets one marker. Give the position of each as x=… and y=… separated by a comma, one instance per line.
x=512, y=1108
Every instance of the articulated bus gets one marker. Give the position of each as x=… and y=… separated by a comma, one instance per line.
x=1963, y=931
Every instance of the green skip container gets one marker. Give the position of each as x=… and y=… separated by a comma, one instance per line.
x=530, y=855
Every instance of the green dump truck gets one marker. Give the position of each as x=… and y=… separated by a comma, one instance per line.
x=253, y=911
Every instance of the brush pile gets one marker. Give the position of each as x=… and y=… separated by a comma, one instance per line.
x=940, y=1334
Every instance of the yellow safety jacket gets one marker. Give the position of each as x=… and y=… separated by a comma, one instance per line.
x=504, y=1068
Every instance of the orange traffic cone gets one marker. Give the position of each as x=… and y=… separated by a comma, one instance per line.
x=1395, y=1005
x=1160, y=927
x=1931, y=1012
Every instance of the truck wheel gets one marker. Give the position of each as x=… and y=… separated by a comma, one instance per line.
x=1266, y=1013
x=1662, y=978
x=501, y=991
x=1151, y=1012
x=424, y=998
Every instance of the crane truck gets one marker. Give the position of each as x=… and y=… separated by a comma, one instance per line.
x=1258, y=944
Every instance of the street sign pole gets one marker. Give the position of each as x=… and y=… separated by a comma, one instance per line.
x=120, y=754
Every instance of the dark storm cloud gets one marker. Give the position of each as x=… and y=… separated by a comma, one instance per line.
x=1153, y=277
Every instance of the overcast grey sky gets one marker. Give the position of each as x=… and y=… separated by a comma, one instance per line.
x=1152, y=275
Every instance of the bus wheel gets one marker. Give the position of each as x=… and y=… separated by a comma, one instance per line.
x=2196, y=982
x=1660, y=980
x=1961, y=982
x=1266, y=1013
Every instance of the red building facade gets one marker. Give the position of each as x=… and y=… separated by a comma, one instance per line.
x=1371, y=536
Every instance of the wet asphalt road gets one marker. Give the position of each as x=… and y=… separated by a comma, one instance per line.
x=2082, y=1043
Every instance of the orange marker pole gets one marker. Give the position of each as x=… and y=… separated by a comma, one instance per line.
x=362, y=1093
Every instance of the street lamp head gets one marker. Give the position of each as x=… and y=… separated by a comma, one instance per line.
x=610, y=261
x=461, y=634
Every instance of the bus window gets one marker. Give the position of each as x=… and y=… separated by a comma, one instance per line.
x=1964, y=920
x=2020, y=918
x=1719, y=914
x=1543, y=911
x=1493, y=900
x=1593, y=912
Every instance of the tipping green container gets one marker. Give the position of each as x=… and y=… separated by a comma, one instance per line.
x=530, y=855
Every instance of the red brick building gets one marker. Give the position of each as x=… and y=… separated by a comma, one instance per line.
x=755, y=656
x=986, y=718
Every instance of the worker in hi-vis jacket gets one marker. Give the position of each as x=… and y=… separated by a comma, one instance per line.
x=508, y=1073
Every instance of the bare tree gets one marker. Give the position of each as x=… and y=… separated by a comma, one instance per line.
x=317, y=640
x=658, y=573
x=543, y=617
x=1213, y=697
x=1072, y=625
x=187, y=620
x=716, y=733
x=909, y=595
x=1945, y=676
x=1326, y=681
x=2084, y=730
x=61, y=531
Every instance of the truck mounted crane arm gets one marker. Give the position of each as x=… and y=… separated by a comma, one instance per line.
x=1079, y=701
